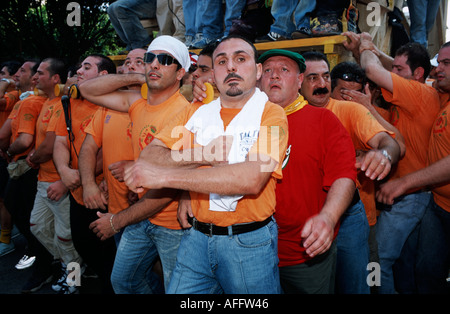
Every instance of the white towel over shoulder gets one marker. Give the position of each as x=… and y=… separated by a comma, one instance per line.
x=206, y=124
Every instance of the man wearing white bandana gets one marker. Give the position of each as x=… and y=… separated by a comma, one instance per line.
x=150, y=230
x=241, y=138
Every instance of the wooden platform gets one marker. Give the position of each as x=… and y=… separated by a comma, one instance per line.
x=330, y=45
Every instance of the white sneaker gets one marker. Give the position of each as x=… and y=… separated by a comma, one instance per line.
x=58, y=285
x=25, y=262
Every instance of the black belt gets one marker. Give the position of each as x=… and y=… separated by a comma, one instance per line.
x=211, y=229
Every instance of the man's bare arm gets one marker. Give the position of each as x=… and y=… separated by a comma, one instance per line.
x=104, y=90
x=150, y=204
x=318, y=232
x=45, y=151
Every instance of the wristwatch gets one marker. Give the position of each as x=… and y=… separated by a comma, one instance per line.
x=386, y=154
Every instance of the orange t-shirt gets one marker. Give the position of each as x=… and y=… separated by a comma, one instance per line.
x=250, y=208
x=25, y=120
x=111, y=130
x=47, y=170
x=148, y=120
x=362, y=126
x=11, y=99
x=82, y=112
x=438, y=149
x=415, y=108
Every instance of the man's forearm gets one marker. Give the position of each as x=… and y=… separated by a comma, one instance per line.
x=150, y=204
x=88, y=161
x=45, y=151
x=338, y=199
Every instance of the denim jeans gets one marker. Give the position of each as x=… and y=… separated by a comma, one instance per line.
x=138, y=250
x=353, y=252
x=433, y=256
x=423, y=15
x=282, y=11
x=242, y=264
x=211, y=23
x=394, y=226
x=191, y=17
x=125, y=16
x=233, y=11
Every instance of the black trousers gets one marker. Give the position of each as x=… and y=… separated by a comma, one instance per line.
x=97, y=254
x=19, y=201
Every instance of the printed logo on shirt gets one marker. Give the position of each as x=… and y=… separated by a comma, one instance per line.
x=85, y=123
x=47, y=115
x=107, y=118
x=129, y=130
x=146, y=136
x=394, y=116
x=286, y=158
x=28, y=117
x=441, y=123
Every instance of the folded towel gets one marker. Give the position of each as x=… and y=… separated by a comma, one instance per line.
x=206, y=125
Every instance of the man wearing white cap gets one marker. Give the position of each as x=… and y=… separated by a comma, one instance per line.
x=147, y=233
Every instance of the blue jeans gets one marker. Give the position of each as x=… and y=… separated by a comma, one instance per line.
x=233, y=11
x=353, y=252
x=191, y=17
x=125, y=16
x=282, y=11
x=395, y=224
x=423, y=15
x=433, y=253
x=242, y=264
x=211, y=24
x=138, y=249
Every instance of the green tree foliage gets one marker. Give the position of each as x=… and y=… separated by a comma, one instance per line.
x=39, y=29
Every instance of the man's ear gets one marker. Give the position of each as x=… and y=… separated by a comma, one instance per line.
x=103, y=72
x=418, y=74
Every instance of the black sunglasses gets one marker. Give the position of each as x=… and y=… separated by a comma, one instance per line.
x=350, y=77
x=163, y=59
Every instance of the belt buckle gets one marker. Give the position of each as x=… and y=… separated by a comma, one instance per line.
x=210, y=225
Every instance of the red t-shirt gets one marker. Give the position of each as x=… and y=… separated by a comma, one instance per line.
x=320, y=151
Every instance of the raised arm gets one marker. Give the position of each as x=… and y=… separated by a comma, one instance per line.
x=106, y=90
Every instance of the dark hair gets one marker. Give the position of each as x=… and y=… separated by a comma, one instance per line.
x=232, y=36
x=417, y=56
x=35, y=66
x=447, y=44
x=347, y=71
x=315, y=56
x=12, y=66
x=105, y=64
x=208, y=50
x=57, y=66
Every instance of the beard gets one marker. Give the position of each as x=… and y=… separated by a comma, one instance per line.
x=234, y=90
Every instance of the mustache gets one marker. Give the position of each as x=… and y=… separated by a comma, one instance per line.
x=319, y=91
x=232, y=75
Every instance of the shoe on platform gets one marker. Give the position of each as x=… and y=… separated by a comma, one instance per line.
x=272, y=36
x=302, y=32
x=6, y=248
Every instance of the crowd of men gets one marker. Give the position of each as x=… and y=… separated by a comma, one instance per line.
x=295, y=178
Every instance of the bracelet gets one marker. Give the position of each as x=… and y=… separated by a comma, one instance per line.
x=9, y=154
x=112, y=225
x=386, y=154
x=6, y=80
